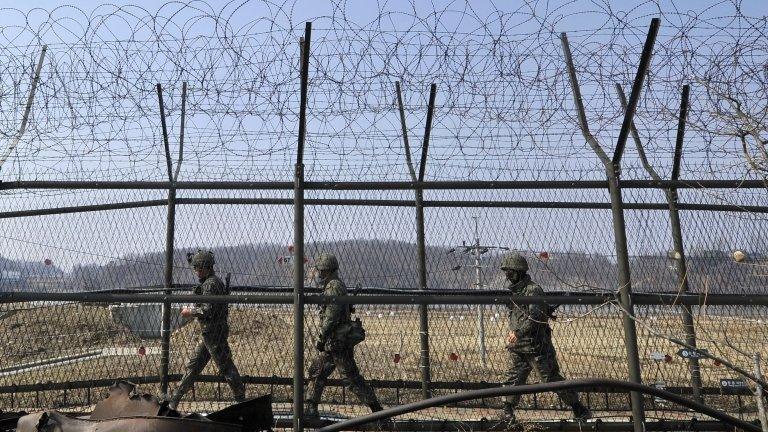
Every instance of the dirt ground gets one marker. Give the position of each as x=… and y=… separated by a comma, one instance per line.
x=590, y=343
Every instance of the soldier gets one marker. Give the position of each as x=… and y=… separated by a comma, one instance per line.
x=215, y=331
x=530, y=340
x=338, y=336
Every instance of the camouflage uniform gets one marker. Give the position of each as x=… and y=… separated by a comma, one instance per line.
x=533, y=347
x=335, y=352
x=213, y=342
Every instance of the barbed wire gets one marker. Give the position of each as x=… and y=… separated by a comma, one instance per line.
x=503, y=108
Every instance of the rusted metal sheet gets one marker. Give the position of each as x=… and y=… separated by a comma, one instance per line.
x=52, y=421
x=127, y=410
x=124, y=400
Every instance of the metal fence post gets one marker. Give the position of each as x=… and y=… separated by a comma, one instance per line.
x=625, y=296
x=298, y=242
x=674, y=220
x=424, y=364
x=165, y=329
x=613, y=171
x=426, y=367
x=27, y=109
x=677, y=239
x=165, y=326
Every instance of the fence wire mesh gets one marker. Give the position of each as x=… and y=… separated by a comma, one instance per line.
x=85, y=346
x=504, y=111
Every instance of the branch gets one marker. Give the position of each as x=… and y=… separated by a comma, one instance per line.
x=30, y=99
x=749, y=158
x=752, y=128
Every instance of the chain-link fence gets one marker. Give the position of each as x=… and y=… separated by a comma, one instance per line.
x=95, y=178
x=64, y=353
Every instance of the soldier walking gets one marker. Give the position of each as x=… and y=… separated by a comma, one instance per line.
x=530, y=340
x=336, y=342
x=214, y=327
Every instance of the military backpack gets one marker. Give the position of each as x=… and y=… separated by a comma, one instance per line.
x=351, y=332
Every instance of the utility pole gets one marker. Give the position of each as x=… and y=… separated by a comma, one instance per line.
x=480, y=308
x=477, y=250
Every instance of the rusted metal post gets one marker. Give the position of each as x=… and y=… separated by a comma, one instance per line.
x=625, y=296
x=165, y=325
x=679, y=250
x=613, y=171
x=165, y=329
x=424, y=363
x=27, y=109
x=678, y=253
x=298, y=242
x=637, y=87
x=165, y=333
x=613, y=174
x=406, y=145
x=181, y=131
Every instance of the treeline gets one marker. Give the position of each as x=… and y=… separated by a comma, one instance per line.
x=391, y=264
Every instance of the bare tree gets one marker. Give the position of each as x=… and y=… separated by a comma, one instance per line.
x=742, y=112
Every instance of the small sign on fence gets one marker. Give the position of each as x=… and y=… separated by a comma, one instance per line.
x=733, y=385
x=661, y=385
x=689, y=353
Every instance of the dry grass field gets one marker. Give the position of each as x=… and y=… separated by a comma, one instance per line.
x=589, y=343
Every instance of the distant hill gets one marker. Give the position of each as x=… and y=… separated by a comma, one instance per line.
x=31, y=274
x=393, y=264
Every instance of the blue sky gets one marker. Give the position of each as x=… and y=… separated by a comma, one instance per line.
x=506, y=135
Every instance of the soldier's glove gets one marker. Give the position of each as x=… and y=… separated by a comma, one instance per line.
x=320, y=345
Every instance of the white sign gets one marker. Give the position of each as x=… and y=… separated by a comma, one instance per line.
x=695, y=354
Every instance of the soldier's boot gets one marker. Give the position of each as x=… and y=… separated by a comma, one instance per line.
x=375, y=406
x=310, y=411
x=381, y=424
x=580, y=412
x=508, y=420
x=173, y=403
x=508, y=413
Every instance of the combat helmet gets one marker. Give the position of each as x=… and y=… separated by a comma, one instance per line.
x=514, y=261
x=327, y=261
x=201, y=259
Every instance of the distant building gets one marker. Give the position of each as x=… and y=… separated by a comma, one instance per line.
x=10, y=276
x=44, y=283
x=10, y=280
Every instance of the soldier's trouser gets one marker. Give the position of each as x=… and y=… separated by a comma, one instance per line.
x=545, y=362
x=210, y=346
x=323, y=366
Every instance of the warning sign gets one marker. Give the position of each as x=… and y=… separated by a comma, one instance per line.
x=695, y=354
